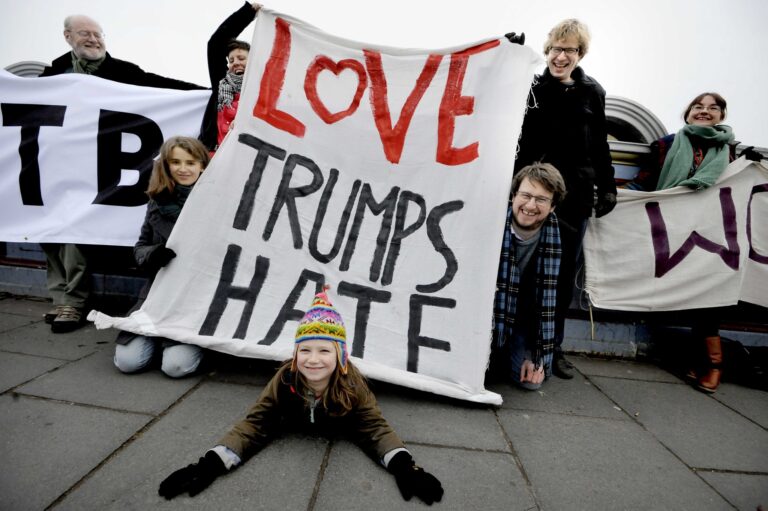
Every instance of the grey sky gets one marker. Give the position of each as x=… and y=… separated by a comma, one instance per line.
x=660, y=53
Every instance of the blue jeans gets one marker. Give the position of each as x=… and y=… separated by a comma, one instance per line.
x=516, y=353
x=178, y=360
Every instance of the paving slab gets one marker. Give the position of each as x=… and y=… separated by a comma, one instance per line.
x=585, y=463
x=477, y=480
x=95, y=380
x=10, y=322
x=745, y=491
x=749, y=402
x=36, y=338
x=628, y=369
x=366, y=485
x=471, y=479
x=46, y=447
x=419, y=417
x=16, y=369
x=25, y=307
x=577, y=447
x=573, y=397
x=248, y=371
x=282, y=476
x=698, y=428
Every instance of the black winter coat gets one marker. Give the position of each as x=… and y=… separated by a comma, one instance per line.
x=155, y=232
x=568, y=129
x=120, y=71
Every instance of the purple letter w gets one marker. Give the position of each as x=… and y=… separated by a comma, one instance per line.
x=664, y=262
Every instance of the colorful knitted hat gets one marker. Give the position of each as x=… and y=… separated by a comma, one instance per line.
x=323, y=322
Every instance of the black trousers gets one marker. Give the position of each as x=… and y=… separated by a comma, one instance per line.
x=571, y=239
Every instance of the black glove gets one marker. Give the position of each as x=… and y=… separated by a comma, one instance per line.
x=605, y=204
x=516, y=38
x=750, y=154
x=159, y=257
x=413, y=480
x=193, y=478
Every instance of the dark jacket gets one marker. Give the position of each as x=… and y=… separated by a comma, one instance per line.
x=120, y=71
x=280, y=409
x=217, y=67
x=568, y=129
x=155, y=232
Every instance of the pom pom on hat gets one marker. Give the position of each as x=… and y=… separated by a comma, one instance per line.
x=322, y=322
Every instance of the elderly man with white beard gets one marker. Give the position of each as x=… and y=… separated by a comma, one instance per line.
x=68, y=275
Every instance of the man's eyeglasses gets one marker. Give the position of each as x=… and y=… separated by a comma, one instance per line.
x=539, y=200
x=711, y=108
x=85, y=34
x=556, y=50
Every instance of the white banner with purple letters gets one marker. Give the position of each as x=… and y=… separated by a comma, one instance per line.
x=682, y=249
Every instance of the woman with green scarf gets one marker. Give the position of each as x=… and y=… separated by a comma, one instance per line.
x=695, y=157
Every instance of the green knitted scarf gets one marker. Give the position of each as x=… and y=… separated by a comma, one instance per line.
x=85, y=66
x=678, y=165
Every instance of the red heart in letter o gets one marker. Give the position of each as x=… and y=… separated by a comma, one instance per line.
x=322, y=63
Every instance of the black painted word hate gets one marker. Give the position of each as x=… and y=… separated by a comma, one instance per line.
x=366, y=297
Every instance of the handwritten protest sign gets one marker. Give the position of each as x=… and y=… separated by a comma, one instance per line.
x=383, y=172
x=682, y=249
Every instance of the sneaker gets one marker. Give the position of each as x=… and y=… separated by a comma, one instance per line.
x=51, y=314
x=69, y=319
x=562, y=368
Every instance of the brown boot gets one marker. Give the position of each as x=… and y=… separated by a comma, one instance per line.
x=711, y=379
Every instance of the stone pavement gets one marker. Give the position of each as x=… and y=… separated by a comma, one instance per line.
x=76, y=434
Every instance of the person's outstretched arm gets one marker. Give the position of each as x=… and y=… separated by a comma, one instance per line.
x=229, y=29
x=600, y=154
x=243, y=440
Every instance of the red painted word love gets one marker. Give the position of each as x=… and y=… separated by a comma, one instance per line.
x=372, y=75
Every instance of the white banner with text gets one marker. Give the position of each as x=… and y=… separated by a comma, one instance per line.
x=682, y=249
x=76, y=153
x=383, y=172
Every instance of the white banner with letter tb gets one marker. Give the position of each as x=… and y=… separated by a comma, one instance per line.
x=76, y=154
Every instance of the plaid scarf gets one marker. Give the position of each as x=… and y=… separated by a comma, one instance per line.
x=228, y=87
x=548, y=255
